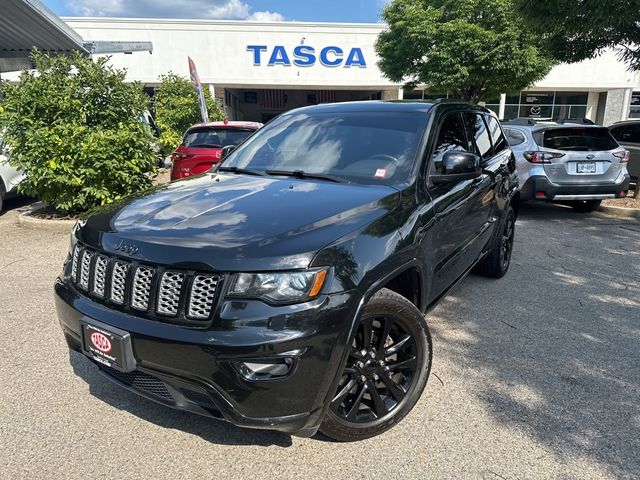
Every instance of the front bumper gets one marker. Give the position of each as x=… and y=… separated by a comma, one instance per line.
x=194, y=369
x=557, y=192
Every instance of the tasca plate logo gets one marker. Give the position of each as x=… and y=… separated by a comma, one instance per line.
x=101, y=342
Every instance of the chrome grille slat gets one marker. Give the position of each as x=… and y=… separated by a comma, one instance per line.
x=203, y=292
x=100, y=275
x=141, y=289
x=169, y=293
x=118, y=281
x=85, y=266
x=74, y=263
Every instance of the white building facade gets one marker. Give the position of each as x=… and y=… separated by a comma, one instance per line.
x=257, y=70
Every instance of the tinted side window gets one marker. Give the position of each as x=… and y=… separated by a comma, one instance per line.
x=620, y=133
x=634, y=133
x=479, y=133
x=499, y=142
x=514, y=137
x=451, y=137
x=626, y=133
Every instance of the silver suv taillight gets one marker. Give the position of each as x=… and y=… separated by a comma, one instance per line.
x=623, y=156
x=541, y=157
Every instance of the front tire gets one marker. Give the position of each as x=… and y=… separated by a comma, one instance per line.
x=586, y=206
x=387, y=369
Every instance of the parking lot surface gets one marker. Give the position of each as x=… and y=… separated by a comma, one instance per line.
x=536, y=375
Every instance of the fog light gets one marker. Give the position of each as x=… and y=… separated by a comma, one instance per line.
x=267, y=369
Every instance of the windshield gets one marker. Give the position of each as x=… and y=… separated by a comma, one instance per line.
x=214, y=137
x=578, y=138
x=362, y=147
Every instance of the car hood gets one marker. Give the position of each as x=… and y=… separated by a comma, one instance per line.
x=231, y=222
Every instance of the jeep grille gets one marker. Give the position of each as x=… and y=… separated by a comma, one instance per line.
x=146, y=290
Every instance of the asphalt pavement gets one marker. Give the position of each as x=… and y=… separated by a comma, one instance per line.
x=536, y=375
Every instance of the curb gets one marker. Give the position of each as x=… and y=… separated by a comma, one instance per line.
x=620, y=211
x=27, y=221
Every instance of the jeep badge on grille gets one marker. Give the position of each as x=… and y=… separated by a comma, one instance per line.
x=127, y=248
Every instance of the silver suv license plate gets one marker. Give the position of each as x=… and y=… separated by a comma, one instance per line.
x=587, y=167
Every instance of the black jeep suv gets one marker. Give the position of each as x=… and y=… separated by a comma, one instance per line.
x=287, y=289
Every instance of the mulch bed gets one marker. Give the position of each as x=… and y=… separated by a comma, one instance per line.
x=628, y=202
x=50, y=213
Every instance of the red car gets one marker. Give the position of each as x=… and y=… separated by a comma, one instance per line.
x=202, y=145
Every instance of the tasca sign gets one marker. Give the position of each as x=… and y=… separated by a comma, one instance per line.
x=307, y=56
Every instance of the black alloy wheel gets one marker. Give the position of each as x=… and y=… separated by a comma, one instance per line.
x=506, y=244
x=385, y=372
x=497, y=260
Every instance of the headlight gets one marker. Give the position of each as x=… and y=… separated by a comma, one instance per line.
x=289, y=287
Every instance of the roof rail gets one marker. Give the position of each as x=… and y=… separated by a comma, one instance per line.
x=582, y=121
x=448, y=100
x=522, y=121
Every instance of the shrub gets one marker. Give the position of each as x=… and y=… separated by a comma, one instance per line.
x=177, y=108
x=75, y=129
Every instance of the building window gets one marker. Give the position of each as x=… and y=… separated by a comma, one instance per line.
x=544, y=105
x=422, y=95
x=635, y=105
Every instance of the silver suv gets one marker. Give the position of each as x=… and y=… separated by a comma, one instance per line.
x=574, y=163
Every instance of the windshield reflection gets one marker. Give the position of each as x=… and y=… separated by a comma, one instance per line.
x=362, y=147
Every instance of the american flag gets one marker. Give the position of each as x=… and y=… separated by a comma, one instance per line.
x=274, y=99
x=326, y=96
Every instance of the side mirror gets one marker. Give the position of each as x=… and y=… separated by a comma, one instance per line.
x=458, y=166
x=226, y=151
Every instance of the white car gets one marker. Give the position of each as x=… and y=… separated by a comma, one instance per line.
x=9, y=176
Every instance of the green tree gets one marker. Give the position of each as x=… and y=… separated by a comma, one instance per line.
x=177, y=108
x=574, y=30
x=74, y=128
x=473, y=49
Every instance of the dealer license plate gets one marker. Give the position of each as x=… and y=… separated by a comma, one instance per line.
x=586, y=167
x=107, y=345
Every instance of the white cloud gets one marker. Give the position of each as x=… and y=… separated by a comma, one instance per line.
x=266, y=17
x=209, y=9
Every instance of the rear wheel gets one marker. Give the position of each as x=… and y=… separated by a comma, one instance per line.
x=497, y=261
x=585, y=206
x=387, y=369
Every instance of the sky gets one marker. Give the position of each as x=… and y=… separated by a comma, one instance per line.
x=266, y=10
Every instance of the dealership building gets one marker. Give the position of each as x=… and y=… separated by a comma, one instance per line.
x=260, y=69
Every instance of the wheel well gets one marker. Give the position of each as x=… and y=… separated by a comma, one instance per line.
x=515, y=203
x=408, y=285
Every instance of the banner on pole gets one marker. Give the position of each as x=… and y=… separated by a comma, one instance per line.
x=195, y=80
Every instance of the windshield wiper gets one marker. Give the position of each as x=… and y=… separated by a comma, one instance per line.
x=302, y=174
x=240, y=170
